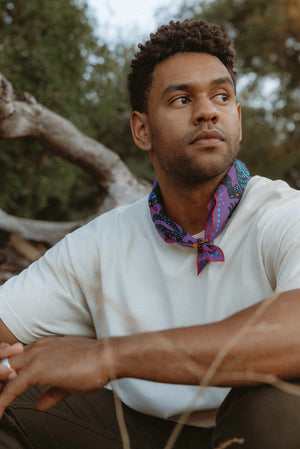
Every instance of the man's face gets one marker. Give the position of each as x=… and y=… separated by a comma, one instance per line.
x=193, y=120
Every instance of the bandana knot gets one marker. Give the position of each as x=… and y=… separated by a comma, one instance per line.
x=219, y=211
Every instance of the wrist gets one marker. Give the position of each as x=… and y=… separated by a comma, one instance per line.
x=115, y=354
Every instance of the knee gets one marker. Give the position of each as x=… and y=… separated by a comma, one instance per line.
x=259, y=417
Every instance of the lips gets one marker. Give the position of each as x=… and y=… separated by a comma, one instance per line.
x=208, y=137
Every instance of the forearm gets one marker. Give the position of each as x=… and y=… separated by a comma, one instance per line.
x=261, y=340
x=257, y=342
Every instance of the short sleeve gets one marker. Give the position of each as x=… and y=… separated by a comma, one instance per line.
x=53, y=296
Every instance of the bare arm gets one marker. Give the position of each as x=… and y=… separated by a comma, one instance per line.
x=5, y=335
x=260, y=340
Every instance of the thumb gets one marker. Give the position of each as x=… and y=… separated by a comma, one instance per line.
x=50, y=397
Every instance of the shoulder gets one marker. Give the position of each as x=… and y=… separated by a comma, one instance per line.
x=268, y=211
x=263, y=188
x=266, y=227
x=268, y=198
x=108, y=222
x=275, y=208
x=128, y=212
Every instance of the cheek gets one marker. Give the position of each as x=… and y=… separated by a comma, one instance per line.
x=164, y=120
x=161, y=130
x=234, y=127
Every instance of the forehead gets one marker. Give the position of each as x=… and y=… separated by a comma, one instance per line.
x=187, y=68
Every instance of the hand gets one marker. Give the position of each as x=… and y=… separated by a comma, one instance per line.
x=66, y=365
x=7, y=351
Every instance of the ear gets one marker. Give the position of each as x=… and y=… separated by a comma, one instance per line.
x=140, y=130
x=239, y=110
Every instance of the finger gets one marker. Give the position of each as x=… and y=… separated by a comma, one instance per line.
x=5, y=372
x=12, y=389
x=50, y=397
x=7, y=350
x=19, y=360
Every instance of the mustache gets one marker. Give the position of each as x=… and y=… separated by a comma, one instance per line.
x=214, y=133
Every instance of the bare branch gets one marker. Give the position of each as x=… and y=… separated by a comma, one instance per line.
x=26, y=117
x=41, y=231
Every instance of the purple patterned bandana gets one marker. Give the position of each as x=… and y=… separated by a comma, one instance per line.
x=220, y=208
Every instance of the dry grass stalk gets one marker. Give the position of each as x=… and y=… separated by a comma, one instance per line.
x=112, y=374
x=230, y=442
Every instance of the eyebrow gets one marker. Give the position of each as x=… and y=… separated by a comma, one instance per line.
x=175, y=87
x=186, y=86
x=223, y=80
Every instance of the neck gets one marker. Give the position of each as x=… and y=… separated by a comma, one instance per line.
x=187, y=205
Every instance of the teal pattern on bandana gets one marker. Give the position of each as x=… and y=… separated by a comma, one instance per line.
x=220, y=209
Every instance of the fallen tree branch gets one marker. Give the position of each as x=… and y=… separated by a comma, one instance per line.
x=26, y=117
x=41, y=231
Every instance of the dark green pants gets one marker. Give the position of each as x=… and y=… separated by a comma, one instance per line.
x=254, y=418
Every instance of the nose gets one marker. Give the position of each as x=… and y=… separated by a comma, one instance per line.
x=204, y=111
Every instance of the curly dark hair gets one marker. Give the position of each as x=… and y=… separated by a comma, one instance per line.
x=177, y=37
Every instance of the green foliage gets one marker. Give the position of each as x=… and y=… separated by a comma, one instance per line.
x=109, y=109
x=267, y=42
x=43, y=186
x=45, y=49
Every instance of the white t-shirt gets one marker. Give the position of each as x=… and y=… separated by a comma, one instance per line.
x=116, y=276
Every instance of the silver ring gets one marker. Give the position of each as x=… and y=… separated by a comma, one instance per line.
x=5, y=362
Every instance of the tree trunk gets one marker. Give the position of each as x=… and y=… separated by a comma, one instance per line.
x=26, y=117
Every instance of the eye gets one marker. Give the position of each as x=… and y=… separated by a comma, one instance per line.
x=182, y=100
x=222, y=97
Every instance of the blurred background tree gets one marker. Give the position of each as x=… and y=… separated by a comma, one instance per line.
x=109, y=110
x=50, y=49
x=45, y=49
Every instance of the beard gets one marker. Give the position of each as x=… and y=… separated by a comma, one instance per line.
x=190, y=166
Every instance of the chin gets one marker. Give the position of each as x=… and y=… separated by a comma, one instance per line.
x=206, y=171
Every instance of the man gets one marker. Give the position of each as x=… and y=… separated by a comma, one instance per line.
x=199, y=287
